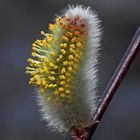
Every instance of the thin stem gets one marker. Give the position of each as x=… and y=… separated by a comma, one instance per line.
x=113, y=84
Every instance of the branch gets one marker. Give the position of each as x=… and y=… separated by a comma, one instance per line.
x=113, y=85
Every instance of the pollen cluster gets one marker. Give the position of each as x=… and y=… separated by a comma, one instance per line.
x=56, y=58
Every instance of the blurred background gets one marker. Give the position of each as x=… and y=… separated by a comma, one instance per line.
x=20, y=24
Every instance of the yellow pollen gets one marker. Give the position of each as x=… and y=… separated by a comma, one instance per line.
x=61, y=89
x=69, y=68
x=71, y=57
x=63, y=51
x=53, y=72
x=49, y=38
x=72, y=46
x=52, y=78
x=51, y=64
x=63, y=70
x=65, y=63
x=62, y=77
x=42, y=33
x=78, y=44
x=38, y=82
x=71, y=63
x=34, y=45
x=65, y=39
x=60, y=57
x=57, y=19
x=62, y=82
x=51, y=26
x=34, y=54
x=63, y=45
x=52, y=53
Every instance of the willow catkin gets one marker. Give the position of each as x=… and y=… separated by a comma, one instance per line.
x=64, y=69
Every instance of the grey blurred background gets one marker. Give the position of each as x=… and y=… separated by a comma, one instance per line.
x=20, y=24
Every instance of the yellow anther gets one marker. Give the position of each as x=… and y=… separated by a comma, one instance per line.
x=52, y=53
x=29, y=59
x=48, y=45
x=55, y=67
x=70, y=69
x=72, y=46
x=71, y=57
x=51, y=64
x=33, y=73
x=38, y=41
x=63, y=70
x=46, y=60
x=54, y=85
x=74, y=40
x=41, y=70
x=51, y=26
x=62, y=83
x=44, y=82
x=34, y=49
x=50, y=85
x=63, y=51
x=38, y=82
x=78, y=44
x=65, y=39
x=77, y=56
x=34, y=54
x=49, y=39
x=62, y=77
x=65, y=63
x=52, y=78
x=31, y=81
x=71, y=63
x=49, y=35
x=60, y=56
x=53, y=72
x=57, y=59
x=71, y=50
x=34, y=45
x=46, y=70
x=61, y=89
x=46, y=86
x=29, y=68
x=42, y=33
x=36, y=76
x=57, y=19
x=63, y=45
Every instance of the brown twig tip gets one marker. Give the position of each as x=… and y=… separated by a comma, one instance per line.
x=113, y=85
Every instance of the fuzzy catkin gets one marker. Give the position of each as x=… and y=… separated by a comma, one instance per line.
x=68, y=99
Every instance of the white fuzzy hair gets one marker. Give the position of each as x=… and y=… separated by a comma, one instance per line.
x=85, y=102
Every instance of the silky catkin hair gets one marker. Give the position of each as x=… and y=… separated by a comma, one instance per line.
x=64, y=69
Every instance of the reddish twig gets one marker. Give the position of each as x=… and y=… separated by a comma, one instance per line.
x=113, y=85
